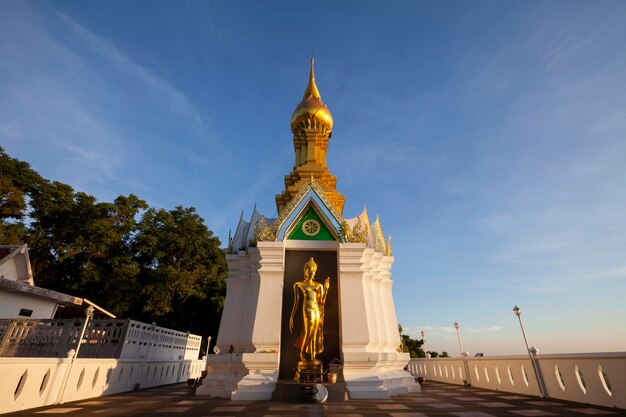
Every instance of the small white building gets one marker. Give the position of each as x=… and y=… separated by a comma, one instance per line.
x=21, y=298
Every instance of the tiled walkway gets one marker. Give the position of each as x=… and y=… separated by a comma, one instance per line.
x=436, y=400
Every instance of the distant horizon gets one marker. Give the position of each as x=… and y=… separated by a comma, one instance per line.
x=488, y=136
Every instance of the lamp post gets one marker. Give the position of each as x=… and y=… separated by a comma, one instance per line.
x=463, y=356
x=538, y=376
x=423, y=344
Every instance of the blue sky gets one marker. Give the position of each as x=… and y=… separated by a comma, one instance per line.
x=489, y=136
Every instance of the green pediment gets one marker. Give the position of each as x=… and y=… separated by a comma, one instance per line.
x=311, y=227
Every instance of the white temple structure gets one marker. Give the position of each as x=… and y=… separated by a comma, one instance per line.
x=254, y=350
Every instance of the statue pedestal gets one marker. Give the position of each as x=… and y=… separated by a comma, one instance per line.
x=309, y=372
x=294, y=392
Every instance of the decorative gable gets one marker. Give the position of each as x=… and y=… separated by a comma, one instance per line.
x=311, y=227
x=310, y=197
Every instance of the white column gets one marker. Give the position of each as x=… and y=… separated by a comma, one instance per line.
x=254, y=302
x=369, y=294
x=266, y=334
x=355, y=335
x=381, y=325
x=393, y=336
x=248, y=300
x=371, y=369
x=235, y=296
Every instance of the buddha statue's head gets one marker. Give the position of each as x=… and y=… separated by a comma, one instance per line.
x=310, y=269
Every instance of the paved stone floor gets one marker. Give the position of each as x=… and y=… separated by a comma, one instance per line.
x=436, y=400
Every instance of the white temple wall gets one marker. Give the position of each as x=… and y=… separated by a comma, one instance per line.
x=377, y=301
x=372, y=367
x=266, y=334
x=393, y=335
x=250, y=371
x=366, y=267
x=379, y=321
x=353, y=296
x=249, y=299
x=235, y=288
x=372, y=370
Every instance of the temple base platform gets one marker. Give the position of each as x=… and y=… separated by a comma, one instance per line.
x=295, y=392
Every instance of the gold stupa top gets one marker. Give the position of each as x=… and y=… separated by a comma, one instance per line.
x=311, y=125
x=311, y=108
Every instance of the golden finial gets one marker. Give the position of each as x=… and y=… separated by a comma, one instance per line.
x=311, y=110
x=388, y=249
x=311, y=88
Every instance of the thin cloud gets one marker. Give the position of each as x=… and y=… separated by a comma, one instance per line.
x=483, y=330
x=444, y=331
x=105, y=48
x=9, y=131
x=617, y=271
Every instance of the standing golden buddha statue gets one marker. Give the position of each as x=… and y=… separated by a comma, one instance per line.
x=311, y=339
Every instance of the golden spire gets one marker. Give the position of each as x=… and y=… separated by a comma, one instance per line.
x=312, y=127
x=311, y=88
x=311, y=112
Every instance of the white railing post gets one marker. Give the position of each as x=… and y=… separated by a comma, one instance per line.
x=88, y=315
x=533, y=361
x=145, y=358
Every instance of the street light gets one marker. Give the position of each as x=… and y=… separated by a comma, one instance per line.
x=518, y=313
x=463, y=355
x=424, y=345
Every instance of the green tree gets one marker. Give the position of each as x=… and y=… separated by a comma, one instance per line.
x=403, y=346
x=136, y=261
x=182, y=268
x=16, y=180
x=82, y=247
x=12, y=205
x=12, y=202
x=412, y=346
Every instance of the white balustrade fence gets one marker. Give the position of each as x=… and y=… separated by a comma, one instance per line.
x=158, y=343
x=114, y=356
x=36, y=382
x=591, y=378
x=103, y=338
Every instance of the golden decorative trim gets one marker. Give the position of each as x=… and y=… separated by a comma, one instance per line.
x=357, y=234
x=380, y=243
x=312, y=184
x=263, y=232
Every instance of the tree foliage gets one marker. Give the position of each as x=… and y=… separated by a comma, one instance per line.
x=136, y=261
x=180, y=263
x=412, y=346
